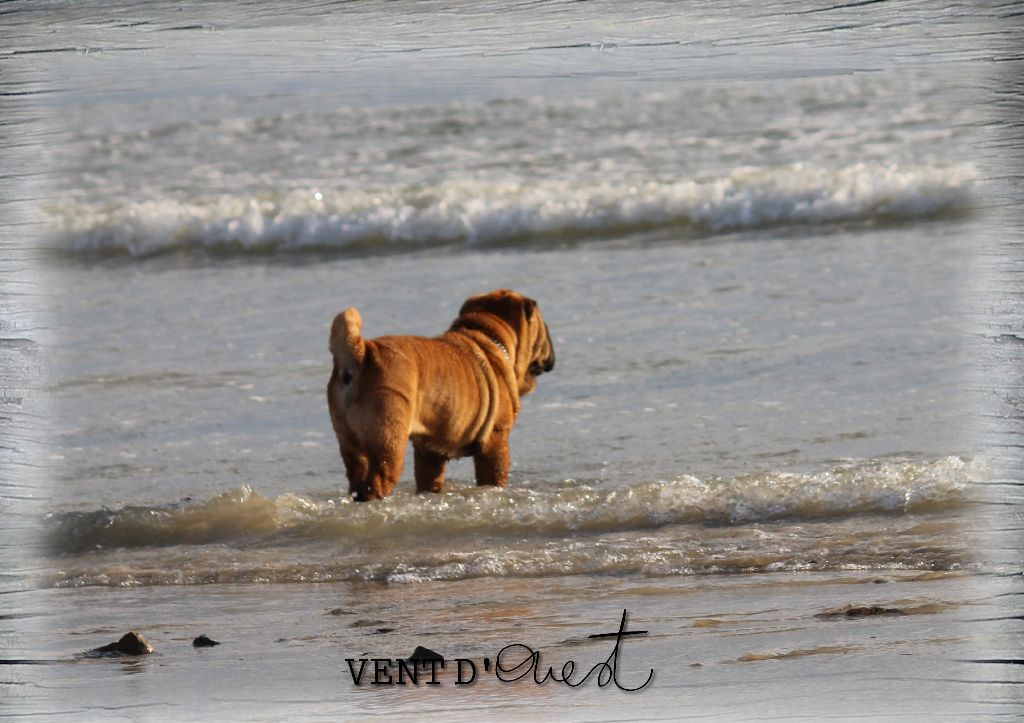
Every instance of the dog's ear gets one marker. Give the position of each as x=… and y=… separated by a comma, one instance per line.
x=499, y=302
x=498, y=297
x=506, y=304
x=471, y=304
x=529, y=306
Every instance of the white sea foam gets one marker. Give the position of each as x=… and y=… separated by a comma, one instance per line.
x=489, y=213
x=242, y=515
x=872, y=516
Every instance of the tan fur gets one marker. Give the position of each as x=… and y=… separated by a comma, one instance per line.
x=455, y=395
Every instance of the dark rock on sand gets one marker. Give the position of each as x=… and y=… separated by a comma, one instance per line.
x=367, y=623
x=130, y=644
x=204, y=642
x=421, y=654
x=385, y=630
x=859, y=611
x=340, y=611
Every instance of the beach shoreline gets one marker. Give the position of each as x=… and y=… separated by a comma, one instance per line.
x=778, y=640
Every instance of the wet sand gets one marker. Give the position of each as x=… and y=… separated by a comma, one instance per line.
x=723, y=647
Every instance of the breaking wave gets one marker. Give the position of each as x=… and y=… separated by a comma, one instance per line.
x=507, y=213
x=242, y=516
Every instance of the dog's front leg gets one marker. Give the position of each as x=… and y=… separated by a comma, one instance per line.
x=429, y=470
x=493, y=460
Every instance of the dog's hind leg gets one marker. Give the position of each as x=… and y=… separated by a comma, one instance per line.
x=385, y=470
x=387, y=458
x=384, y=437
x=356, y=468
x=492, y=460
x=429, y=470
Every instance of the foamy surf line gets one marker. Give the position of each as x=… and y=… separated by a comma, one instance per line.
x=484, y=213
x=670, y=558
x=245, y=518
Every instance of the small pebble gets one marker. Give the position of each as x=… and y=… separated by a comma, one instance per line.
x=421, y=654
x=130, y=644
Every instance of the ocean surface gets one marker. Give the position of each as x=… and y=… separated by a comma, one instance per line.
x=767, y=242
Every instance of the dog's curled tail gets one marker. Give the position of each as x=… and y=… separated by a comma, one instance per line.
x=347, y=343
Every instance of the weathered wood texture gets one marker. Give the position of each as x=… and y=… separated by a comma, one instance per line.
x=27, y=73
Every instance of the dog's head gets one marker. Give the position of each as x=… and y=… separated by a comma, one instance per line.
x=514, y=321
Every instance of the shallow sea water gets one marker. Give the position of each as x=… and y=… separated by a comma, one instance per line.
x=768, y=244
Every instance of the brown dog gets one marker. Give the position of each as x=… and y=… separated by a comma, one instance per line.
x=455, y=395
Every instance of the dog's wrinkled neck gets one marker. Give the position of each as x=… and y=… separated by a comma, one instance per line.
x=465, y=324
x=504, y=350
